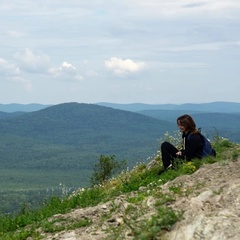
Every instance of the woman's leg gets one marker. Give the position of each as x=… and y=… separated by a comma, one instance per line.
x=168, y=153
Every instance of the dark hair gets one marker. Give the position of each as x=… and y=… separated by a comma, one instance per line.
x=188, y=122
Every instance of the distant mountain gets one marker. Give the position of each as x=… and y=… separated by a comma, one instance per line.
x=225, y=107
x=167, y=115
x=224, y=124
x=61, y=143
x=221, y=118
x=15, y=107
x=61, y=123
x=212, y=123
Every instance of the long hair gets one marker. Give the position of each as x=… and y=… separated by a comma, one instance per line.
x=188, y=122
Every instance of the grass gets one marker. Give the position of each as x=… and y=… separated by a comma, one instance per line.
x=24, y=224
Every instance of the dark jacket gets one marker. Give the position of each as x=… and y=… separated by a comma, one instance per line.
x=192, y=146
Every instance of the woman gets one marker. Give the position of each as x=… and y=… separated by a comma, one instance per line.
x=192, y=145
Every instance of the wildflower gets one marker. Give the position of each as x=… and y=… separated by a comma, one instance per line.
x=189, y=168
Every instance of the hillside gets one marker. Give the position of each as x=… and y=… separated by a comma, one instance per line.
x=212, y=123
x=95, y=129
x=209, y=199
x=61, y=143
x=195, y=200
x=222, y=118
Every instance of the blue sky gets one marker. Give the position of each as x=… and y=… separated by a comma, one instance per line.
x=129, y=51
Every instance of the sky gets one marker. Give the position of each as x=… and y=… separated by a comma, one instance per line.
x=129, y=51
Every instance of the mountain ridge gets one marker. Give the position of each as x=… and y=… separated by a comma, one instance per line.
x=70, y=137
x=217, y=106
x=69, y=117
x=17, y=107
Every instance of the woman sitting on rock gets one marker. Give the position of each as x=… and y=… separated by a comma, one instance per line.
x=192, y=147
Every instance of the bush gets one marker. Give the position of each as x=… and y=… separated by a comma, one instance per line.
x=105, y=168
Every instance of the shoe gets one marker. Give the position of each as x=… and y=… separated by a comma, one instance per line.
x=170, y=166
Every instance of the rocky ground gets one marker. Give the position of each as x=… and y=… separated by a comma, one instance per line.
x=209, y=198
x=212, y=211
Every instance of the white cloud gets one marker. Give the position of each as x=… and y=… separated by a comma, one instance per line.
x=68, y=66
x=12, y=73
x=7, y=69
x=40, y=63
x=66, y=71
x=122, y=67
x=31, y=62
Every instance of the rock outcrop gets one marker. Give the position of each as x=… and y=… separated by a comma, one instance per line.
x=212, y=209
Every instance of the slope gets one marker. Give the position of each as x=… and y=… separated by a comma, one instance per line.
x=212, y=123
x=62, y=142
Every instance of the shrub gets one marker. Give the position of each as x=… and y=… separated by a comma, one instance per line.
x=105, y=168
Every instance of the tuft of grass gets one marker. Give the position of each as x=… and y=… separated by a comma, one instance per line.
x=136, y=199
x=63, y=224
x=159, y=223
x=235, y=154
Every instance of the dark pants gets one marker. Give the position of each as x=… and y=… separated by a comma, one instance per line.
x=168, y=153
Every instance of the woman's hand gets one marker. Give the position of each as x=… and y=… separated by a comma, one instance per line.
x=179, y=153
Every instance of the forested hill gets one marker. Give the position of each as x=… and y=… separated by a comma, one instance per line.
x=61, y=143
x=212, y=123
x=75, y=123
